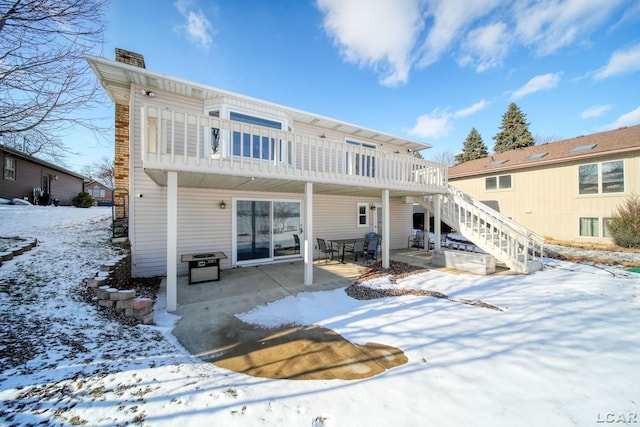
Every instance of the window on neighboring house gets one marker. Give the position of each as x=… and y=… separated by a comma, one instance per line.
x=502, y=182
x=363, y=214
x=360, y=164
x=588, y=179
x=605, y=227
x=491, y=183
x=9, y=168
x=606, y=177
x=613, y=177
x=590, y=227
x=96, y=191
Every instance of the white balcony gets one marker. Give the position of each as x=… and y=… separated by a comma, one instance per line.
x=211, y=152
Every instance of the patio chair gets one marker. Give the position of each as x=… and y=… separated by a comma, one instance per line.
x=296, y=240
x=326, y=250
x=358, y=249
x=416, y=240
x=372, y=249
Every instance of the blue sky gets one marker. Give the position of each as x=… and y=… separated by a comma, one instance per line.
x=429, y=70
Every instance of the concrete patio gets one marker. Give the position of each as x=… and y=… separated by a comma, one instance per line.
x=208, y=325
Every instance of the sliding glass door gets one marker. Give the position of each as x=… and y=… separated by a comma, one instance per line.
x=253, y=219
x=266, y=230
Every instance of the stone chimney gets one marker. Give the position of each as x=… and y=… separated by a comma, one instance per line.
x=121, y=159
x=130, y=58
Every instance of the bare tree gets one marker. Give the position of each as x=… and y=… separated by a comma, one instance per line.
x=544, y=139
x=102, y=170
x=105, y=171
x=446, y=157
x=45, y=83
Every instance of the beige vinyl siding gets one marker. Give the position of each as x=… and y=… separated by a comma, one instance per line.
x=546, y=199
x=204, y=227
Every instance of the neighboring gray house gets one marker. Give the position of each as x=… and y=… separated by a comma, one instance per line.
x=40, y=182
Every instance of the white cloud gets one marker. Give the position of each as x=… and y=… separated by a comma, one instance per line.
x=438, y=123
x=538, y=83
x=197, y=26
x=470, y=110
x=450, y=20
x=485, y=47
x=595, y=111
x=375, y=33
x=629, y=119
x=394, y=36
x=550, y=25
x=621, y=62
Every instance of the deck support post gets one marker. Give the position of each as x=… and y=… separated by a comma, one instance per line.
x=385, y=229
x=172, y=241
x=308, y=233
x=437, y=229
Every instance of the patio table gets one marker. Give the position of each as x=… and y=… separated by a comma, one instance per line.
x=343, y=244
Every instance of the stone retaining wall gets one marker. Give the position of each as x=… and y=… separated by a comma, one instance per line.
x=15, y=246
x=107, y=284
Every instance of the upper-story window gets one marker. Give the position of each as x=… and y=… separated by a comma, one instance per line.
x=605, y=177
x=252, y=120
x=360, y=164
x=9, y=168
x=501, y=182
x=255, y=146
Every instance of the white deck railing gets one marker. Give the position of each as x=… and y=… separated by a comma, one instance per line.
x=176, y=140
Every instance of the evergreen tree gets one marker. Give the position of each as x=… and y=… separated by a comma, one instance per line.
x=473, y=148
x=515, y=131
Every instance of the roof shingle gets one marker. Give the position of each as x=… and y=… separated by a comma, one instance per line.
x=581, y=147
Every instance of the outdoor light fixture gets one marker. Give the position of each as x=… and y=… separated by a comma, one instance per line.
x=323, y=136
x=373, y=207
x=223, y=205
x=148, y=93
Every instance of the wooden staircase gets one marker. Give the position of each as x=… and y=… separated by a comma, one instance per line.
x=519, y=248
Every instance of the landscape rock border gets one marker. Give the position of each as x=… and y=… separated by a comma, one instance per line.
x=14, y=246
x=111, y=290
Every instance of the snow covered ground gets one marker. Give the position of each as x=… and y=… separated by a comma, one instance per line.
x=563, y=352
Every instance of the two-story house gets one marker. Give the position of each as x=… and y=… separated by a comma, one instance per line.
x=211, y=170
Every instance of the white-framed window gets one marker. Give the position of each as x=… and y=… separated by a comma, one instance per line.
x=97, y=192
x=363, y=215
x=360, y=164
x=242, y=142
x=9, y=168
x=499, y=182
x=601, y=178
x=605, y=227
x=590, y=227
